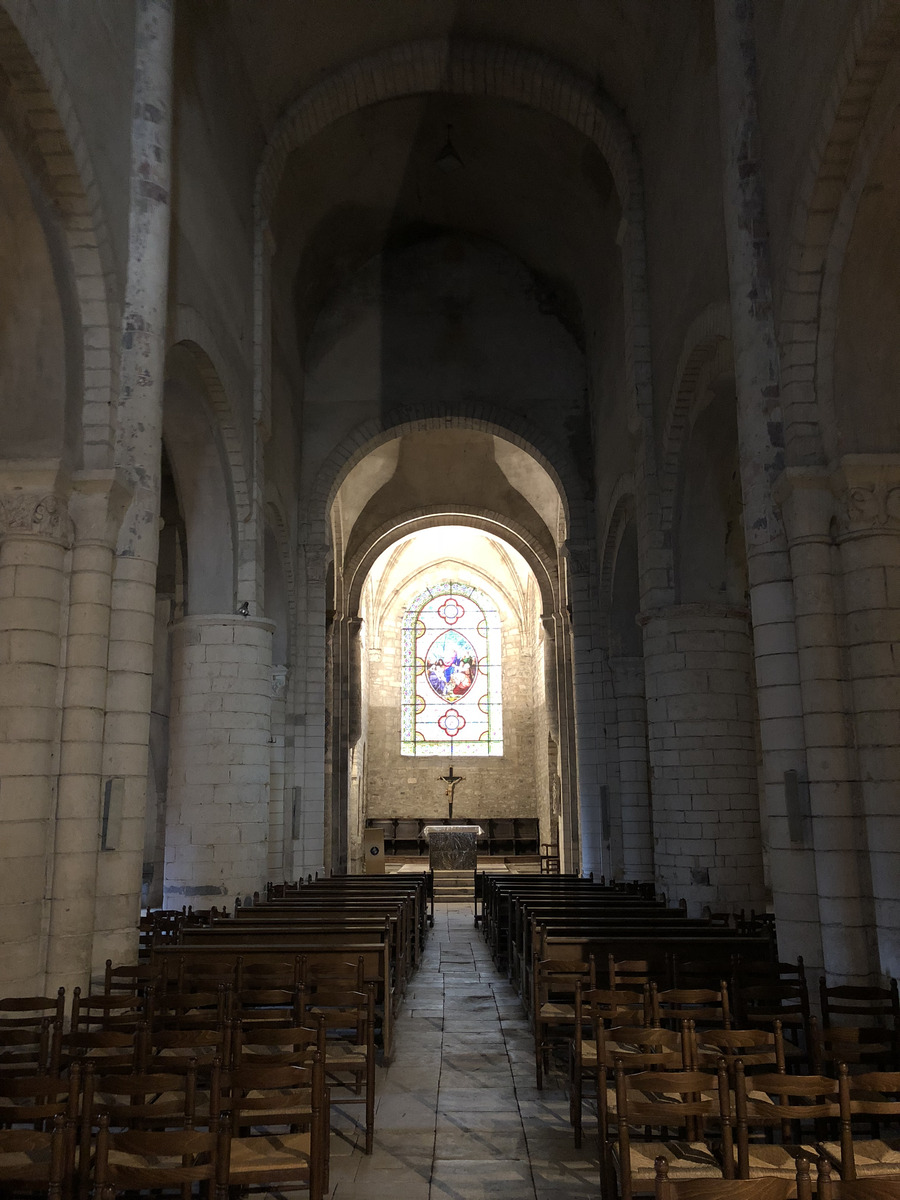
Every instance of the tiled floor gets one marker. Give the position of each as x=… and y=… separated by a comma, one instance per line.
x=458, y=1115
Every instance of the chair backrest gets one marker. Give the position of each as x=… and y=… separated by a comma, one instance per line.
x=28, y=1011
x=873, y=1004
x=872, y=1046
x=258, y=1045
x=25, y=1048
x=105, y=1011
x=695, y=1101
x=753, y=1047
x=874, y=1096
x=788, y=1100
x=880, y=1188
x=159, y=1159
x=703, y=1006
x=732, y=1189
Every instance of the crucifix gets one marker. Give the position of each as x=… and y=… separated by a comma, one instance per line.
x=451, y=781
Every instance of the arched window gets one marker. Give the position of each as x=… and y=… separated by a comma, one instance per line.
x=450, y=696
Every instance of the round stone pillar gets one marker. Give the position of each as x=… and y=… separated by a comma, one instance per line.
x=34, y=534
x=868, y=488
x=634, y=785
x=700, y=718
x=97, y=504
x=217, y=817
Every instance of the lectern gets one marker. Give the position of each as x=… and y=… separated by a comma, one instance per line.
x=452, y=847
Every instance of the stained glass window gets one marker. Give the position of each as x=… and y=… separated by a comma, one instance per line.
x=450, y=693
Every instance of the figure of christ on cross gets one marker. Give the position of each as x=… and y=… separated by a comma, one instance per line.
x=451, y=781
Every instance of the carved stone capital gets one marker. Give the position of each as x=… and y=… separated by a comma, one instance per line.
x=279, y=682
x=316, y=556
x=35, y=514
x=98, y=505
x=806, y=499
x=867, y=488
x=578, y=556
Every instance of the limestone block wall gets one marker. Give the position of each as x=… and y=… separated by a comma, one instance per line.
x=220, y=759
x=700, y=714
x=32, y=591
x=633, y=767
x=870, y=558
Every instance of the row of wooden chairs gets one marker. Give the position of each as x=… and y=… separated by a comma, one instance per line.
x=259, y=1126
x=775, y=1189
x=728, y=1125
x=272, y=1035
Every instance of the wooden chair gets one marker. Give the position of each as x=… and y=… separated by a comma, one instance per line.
x=261, y=1099
x=632, y=1049
x=119, y=1050
x=753, y=1047
x=829, y=1188
x=633, y=974
x=137, y=1101
x=25, y=1050
x=847, y=1007
x=703, y=1006
x=861, y=1047
x=733, y=1189
x=256, y=1045
x=36, y=1103
x=135, y=1159
x=692, y=1102
x=553, y=1005
x=801, y=1109
x=596, y=1009
x=108, y=1011
x=348, y=1020
x=871, y=1099
x=192, y=1010
x=34, y=1161
x=29, y=1011
x=134, y=979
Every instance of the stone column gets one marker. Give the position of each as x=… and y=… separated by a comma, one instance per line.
x=581, y=645
x=138, y=453
x=761, y=441
x=868, y=490
x=97, y=505
x=829, y=846
x=219, y=759
x=306, y=728
x=634, y=784
x=280, y=864
x=34, y=537
x=699, y=662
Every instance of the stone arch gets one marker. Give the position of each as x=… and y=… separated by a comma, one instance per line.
x=841, y=155
x=502, y=527
x=222, y=391
x=480, y=417
x=469, y=69
x=192, y=435
x=621, y=510
x=707, y=337
x=49, y=130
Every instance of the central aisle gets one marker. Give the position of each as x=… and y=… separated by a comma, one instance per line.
x=458, y=1115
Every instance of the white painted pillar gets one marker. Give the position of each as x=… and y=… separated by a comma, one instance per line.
x=34, y=536
x=219, y=760
x=707, y=843
x=760, y=442
x=97, y=505
x=634, y=784
x=138, y=453
x=868, y=491
x=835, y=830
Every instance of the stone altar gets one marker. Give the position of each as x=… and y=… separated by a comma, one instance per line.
x=452, y=847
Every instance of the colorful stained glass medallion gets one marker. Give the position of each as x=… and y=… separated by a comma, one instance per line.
x=451, y=665
x=451, y=693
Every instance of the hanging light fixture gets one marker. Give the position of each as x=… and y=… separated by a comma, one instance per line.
x=447, y=159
